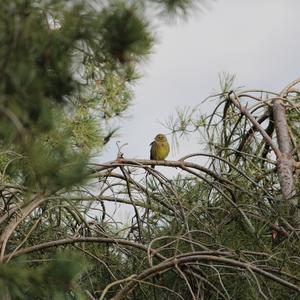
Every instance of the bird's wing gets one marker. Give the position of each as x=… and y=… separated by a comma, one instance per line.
x=152, y=150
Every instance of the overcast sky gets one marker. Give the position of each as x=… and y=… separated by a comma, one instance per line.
x=257, y=40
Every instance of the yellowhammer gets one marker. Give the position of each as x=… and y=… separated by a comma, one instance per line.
x=159, y=148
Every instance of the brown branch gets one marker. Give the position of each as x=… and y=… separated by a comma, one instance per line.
x=9, y=229
x=231, y=165
x=281, y=126
x=74, y=240
x=143, y=163
x=235, y=100
x=275, y=227
x=285, y=164
x=192, y=258
x=251, y=131
x=289, y=87
x=269, y=130
x=139, y=186
x=137, y=215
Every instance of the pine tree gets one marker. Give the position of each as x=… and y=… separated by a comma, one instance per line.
x=67, y=69
x=226, y=230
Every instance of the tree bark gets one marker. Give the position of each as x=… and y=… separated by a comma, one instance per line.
x=285, y=163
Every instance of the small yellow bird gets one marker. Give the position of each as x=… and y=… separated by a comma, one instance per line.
x=159, y=148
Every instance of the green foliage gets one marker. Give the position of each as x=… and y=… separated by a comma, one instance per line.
x=125, y=35
x=51, y=114
x=67, y=69
x=55, y=279
x=177, y=7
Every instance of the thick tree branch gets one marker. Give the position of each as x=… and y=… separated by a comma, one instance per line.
x=285, y=164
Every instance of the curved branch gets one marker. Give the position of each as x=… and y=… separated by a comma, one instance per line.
x=235, y=100
x=144, y=163
x=75, y=240
x=251, y=131
x=9, y=229
x=286, y=90
x=192, y=258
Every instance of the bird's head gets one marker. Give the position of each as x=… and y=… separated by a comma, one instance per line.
x=160, y=138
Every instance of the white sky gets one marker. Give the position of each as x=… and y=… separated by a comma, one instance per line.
x=257, y=40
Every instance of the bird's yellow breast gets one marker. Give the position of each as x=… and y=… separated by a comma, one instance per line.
x=160, y=150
